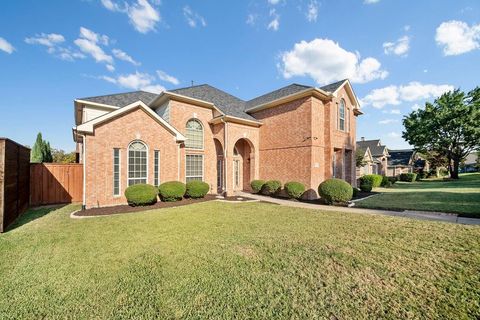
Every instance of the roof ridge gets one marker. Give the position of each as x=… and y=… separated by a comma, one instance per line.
x=117, y=94
x=195, y=86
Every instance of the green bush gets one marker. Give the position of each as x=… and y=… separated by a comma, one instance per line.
x=385, y=181
x=335, y=190
x=271, y=187
x=366, y=186
x=257, y=185
x=392, y=180
x=375, y=179
x=172, y=191
x=408, y=177
x=294, y=189
x=141, y=195
x=196, y=189
x=356, y=191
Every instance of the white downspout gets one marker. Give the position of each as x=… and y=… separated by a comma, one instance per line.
x=84, y=157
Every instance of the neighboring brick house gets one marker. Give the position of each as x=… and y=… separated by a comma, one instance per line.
x=377, y=163
x=405, y=161
x=296, y=133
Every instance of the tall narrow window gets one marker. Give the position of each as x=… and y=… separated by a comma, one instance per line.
x=156, y=168
x=116, y=172
x=137, y=163
x=194, y=167
x=341, y=115
x=194, y=134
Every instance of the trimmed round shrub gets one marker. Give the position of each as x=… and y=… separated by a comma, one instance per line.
x=408, y=177
x=366, y=185
x=356, y=191
x=196, y=189
x=271, y=187
x=335, y=190
x=172, y=191
x=392, y=180
x=141, y=195
x=384, y=181
x=257, y=185
x=294, y=189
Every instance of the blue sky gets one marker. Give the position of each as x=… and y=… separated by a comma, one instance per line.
x=398, y=54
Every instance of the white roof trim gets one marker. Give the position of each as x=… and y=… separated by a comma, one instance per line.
x=88, y=126
x=357, y=103
x=95, y=104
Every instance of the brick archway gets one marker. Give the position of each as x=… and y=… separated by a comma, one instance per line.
x=243, y=166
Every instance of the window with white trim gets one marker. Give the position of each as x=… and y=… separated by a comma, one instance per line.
x=194, y=134
x=116, y=172
x=341, y=115
x=156, y=168
x=193, y=167
x=137, y=163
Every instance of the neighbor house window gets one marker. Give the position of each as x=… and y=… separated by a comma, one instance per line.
x=116, y=172
x=194, y=167
x=341, y=115
x=194, y=135
x=156, y=168
x=137, y=163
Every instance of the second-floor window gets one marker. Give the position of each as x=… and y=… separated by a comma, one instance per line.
x=194, y=134
x=341, y=115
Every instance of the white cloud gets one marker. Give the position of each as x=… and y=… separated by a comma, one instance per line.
x=394, y=135
x=166, y=77
x=388, y=121
x=142, y=15
x=135, y=81
x=110, y=67
x=193, y=18
x=275, y=23
x=251, y=19
x=68, y=54
x=457, y=37
x=93, y=37
x=407, y=27
x=312, y=12
x=6, y=46
x=413, y=91
x=119, y=54
x=416, y=106
x=89, y=44
x=48, y=40
x=273, y=2
x=395, y=111
x=371, y=1
x=399, y=47
x=325, y=61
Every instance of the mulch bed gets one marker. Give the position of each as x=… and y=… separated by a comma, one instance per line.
x=104, y=211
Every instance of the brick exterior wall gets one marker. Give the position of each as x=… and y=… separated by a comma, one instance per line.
x=296, y=142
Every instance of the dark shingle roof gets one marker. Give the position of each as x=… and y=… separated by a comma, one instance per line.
x=375, y=147
x=277, y=94
x=227, y=103
x=123, y=99
x=332, y=87
x=400, y=157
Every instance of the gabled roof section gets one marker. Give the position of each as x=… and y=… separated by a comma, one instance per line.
x=277, y=94
x=375, y=146
x=400, y=157
x=88, y=127
x=332, y=87
x=121, y=99
x=227, y=103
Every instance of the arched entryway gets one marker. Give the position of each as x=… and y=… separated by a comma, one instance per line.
x=220, y=166
x=242, y=166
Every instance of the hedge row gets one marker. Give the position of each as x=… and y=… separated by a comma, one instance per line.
x=293, y=189
x=146, y=194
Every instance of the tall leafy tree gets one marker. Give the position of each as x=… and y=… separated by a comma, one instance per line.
x=47, y=152
x=449, y=126
x=36, y=154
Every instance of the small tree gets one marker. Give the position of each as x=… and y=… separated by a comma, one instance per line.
x=60, y=156
x=36, y=155
x=360, y=158
x=47, y=152
x=449, y=126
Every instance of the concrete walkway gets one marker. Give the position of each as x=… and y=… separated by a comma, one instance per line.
x=421, y=215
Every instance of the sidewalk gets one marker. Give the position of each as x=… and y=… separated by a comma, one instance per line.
x=421, y=215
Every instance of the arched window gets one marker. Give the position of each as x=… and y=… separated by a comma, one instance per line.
x=137, y=163
x=194, y=134
x=341, y=115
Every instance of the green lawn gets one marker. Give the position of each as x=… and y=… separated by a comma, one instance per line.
x=462, y=196
x=243, y=260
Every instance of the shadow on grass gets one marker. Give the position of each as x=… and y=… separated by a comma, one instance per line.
x=33, y=214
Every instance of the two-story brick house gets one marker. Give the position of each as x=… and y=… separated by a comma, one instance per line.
x=296, y=133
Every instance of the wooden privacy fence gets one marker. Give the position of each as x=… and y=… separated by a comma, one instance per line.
x=14, y=181
x=52, y=183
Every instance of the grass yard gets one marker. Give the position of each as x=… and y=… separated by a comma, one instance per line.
x=462, y=196
x=245, y=260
